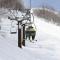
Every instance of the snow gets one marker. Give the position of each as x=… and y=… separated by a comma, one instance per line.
x=47, y=46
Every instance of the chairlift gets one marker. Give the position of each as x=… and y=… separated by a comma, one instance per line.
x=30, y=31
x=13, y=29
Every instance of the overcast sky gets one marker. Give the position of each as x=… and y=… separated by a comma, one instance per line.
x=38, y=3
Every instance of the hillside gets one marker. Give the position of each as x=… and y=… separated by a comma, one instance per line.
x=49, y=14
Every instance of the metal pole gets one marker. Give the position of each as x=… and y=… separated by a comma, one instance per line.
x=30, y=4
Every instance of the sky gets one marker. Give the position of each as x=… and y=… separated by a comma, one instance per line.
x=37, y=3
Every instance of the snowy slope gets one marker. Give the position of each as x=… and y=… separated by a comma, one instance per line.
x=48, y=36
x=9, y=44
x=47, y=46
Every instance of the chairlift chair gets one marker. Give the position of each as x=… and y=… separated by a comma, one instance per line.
x=13, y=29
x=30, y=31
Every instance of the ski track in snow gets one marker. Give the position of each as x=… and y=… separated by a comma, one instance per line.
x=47, y=46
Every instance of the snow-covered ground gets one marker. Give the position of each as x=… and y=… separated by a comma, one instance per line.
x=47, y=46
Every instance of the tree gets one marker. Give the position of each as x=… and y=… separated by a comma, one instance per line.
x=48, y=14
x=12, y=4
